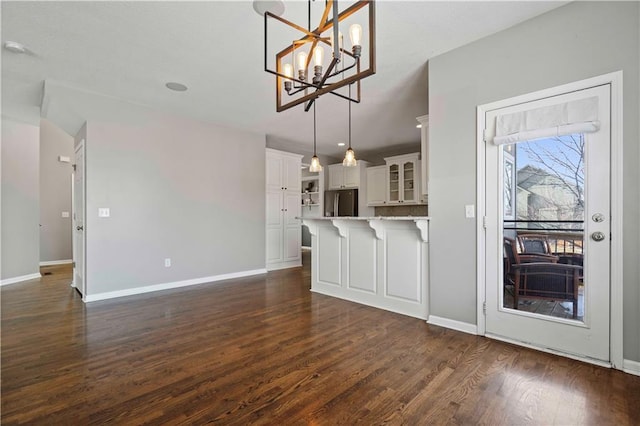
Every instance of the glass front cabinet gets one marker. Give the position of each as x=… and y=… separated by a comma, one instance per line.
x=404, y=179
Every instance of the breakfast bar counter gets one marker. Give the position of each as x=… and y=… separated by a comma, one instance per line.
x=376, y=261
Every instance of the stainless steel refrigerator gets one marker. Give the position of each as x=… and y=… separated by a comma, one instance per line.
x=341, y=202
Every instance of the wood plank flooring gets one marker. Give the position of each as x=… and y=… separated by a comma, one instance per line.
x=264, y=350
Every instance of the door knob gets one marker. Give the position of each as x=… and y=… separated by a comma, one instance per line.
x=598, y=217
x=79, y=228
x=598, y=236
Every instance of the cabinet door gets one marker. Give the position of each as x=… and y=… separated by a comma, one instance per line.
x=292, y=174
x=409, y=182
x=292, y=243
x=394, y=183
x=376, y=186
x=291, y=208
x=336, y=176
x=274, y=172
x=274, y=222
x=274, y=247
x=274, y=209
x=351, y=177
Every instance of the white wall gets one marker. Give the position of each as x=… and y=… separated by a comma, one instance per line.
x=55, y=193
x=571, y=43
x=20, y=192
x=176, y=188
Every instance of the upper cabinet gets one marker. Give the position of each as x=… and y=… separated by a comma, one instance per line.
x=341, y=177
x=283, y=171
x=377, y=186
x=403, y=184
x=424, y=151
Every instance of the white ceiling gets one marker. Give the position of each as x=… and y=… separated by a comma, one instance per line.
x=129, y=50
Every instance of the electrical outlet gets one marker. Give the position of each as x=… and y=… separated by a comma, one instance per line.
x=470, y=211
x=104, y=212
x=65, y=214
x=167, y=263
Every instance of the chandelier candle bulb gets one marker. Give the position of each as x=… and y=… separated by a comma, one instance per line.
x=288, y=71
x=355, y=31
x=302, y=66
x=318, y=56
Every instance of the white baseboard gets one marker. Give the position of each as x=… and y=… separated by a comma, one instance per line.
x=167, y=286
x=14, y=280
x=465, y=327
x=631, y=367
x=284, y=265
x=56, y=262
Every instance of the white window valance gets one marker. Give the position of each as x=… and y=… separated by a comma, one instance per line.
x=580, y=116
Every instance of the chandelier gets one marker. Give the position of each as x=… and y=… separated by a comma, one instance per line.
x=296, y=81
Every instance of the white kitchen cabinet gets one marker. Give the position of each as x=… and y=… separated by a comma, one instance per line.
x=403, y=173
x=341, y=177
x=283, y=171
x=283, y=237
x=377, y=186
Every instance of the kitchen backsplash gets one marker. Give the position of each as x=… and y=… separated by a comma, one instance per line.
x=421, y=210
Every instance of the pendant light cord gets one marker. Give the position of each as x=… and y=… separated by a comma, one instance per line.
x=349, y=116
x=314, y=128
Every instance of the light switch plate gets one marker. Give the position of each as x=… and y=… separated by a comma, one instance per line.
x=103, y=212
x=470, y=211
x=65, y=214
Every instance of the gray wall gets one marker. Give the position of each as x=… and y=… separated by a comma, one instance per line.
x=178, y=189
x=574, y=42
x=55, y=193
x=20, y=209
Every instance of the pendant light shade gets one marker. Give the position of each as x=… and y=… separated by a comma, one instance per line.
x=350, y=155
x=315, y=166
x=349, y=159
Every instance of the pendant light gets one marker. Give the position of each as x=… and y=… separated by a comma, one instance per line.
x=349, y=156
x=315, y=166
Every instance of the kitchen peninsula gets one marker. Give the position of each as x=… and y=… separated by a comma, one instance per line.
x=377, y=261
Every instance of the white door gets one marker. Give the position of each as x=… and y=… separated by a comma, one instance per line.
x=78, y=221
x=547, y=208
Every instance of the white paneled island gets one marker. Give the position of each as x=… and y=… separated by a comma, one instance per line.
x=376, y=261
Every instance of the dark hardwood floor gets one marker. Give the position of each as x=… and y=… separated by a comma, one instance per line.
x=264, y=350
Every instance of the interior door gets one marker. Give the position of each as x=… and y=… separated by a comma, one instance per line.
x=548, y=214
x=78, y=221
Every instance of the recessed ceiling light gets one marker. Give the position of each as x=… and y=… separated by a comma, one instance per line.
x=178, y=87
x=15, y=47
x=340, y=143
x=418, y=126
x=274, y=6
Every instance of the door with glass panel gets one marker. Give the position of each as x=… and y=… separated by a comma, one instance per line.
x=548, y=223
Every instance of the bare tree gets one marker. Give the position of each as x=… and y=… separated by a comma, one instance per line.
x=565, y=161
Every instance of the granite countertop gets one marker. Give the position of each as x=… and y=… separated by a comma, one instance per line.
x=367, y=218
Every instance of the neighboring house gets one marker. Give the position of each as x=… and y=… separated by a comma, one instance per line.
x=543, y=196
